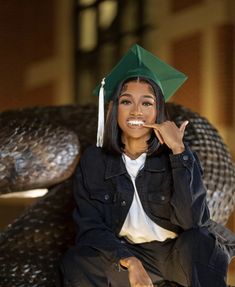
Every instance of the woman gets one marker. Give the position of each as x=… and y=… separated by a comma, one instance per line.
x=141, y=205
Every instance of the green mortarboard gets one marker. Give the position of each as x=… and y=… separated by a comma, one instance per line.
x=137, y=62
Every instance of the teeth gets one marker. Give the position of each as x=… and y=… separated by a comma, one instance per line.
x=135, y=123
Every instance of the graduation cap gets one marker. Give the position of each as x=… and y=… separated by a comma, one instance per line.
x=137, y=62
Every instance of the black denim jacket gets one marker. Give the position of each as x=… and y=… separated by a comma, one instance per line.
x=170, y=188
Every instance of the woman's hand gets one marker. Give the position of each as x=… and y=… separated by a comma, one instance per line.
x=168, y=133
x=138, y=277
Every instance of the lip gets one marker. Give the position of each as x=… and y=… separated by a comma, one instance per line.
x=135, y=122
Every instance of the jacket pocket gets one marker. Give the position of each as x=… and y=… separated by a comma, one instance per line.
x=159, y=203
x=103, y=197
x=160, y=193
x=158, y=197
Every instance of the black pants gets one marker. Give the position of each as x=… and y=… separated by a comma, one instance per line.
x=192, y=259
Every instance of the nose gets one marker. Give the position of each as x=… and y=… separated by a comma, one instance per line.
x=136, y=111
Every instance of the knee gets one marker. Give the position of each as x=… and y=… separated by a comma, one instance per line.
x=77, y=257
x=69, y=263
x=194, y=244
x=197, y=236
x=74, y=260
x=200, y=245
x=76, y=266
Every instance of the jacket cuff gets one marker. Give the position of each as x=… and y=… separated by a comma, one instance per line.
x=184, y=159
x=121, y=254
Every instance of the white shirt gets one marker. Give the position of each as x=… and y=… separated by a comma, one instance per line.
x=138, y=227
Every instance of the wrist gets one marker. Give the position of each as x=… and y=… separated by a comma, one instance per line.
x=178, y=149
x=129, y=262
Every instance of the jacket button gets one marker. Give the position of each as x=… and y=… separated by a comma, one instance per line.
x=106, y=197
x=185, y=157
x=163, y=197
x=123, y=203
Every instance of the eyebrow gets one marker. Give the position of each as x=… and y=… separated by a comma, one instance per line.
x=150, y=97
x=144, y=96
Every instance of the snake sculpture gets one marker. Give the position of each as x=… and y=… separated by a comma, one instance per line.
x=40, y=148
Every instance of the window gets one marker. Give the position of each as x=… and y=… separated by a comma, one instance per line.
x=103, y=31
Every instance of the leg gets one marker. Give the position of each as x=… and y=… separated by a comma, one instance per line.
x=152, y=256
x=86, y=268
x=197, y=260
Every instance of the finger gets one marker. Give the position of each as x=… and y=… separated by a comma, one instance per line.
x=183, y=126
x=150, y=284
x=153, y=126
x=160, y=138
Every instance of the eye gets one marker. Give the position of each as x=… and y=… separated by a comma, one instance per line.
x=125, y=102
x=147, y=104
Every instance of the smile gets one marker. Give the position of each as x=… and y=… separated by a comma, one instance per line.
x=135, y=123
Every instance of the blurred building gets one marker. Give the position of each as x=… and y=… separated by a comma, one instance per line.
x=36, y=53
x=56, y=51
x=196, y=36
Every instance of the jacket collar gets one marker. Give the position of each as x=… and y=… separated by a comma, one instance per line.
x=115, y=165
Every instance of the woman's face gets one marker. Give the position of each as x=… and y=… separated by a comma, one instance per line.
x=136, y=106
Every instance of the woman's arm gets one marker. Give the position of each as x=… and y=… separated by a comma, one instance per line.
x=92, y=230
x=189, y=196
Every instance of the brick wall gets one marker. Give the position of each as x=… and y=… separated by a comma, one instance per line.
x=225, y=73
x=186, y=56
x=177, y=5
x=27, y=36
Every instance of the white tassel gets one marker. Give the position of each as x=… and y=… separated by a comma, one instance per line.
x=100, y=129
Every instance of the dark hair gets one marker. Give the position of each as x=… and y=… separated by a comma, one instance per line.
x=112, y=133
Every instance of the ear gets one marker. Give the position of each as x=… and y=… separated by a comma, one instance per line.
x=109, y=110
